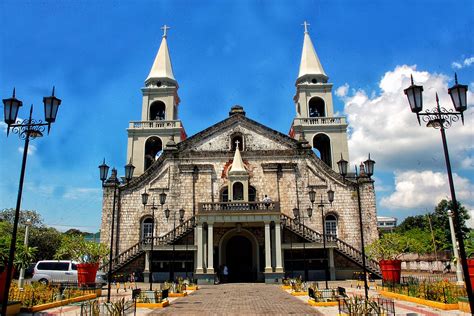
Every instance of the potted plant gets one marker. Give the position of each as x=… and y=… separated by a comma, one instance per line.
x=23, y=257
x=469, y=246
x=387, y=251
x=87, y=254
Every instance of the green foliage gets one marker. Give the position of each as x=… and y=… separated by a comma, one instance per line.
x=75, y=247
x=418, y=228
x=389, y=247
x=46, y=239
x=469, y=244
x=8, y=215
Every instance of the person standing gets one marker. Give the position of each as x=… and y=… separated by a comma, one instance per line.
x=225, y=273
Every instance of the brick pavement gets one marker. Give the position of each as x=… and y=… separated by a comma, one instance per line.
x=238, y=299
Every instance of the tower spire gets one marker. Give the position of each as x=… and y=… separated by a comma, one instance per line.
x=237, y=163
x=162, y=67
x=310, y=64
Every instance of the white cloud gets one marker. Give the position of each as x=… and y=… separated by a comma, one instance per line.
x=415, y=189
x=31, y=149
x=81, y=193
x=465, y=63
x=342, y=90
x=382, y=124
x=467, y=163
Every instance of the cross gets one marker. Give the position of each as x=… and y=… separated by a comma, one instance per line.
x=237, y=144
x=165, y=28
x=306, y=24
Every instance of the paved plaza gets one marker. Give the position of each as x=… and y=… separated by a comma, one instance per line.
x=248, y=299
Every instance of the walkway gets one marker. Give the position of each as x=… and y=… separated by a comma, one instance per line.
x=238, y=299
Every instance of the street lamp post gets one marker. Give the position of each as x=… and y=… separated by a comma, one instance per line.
x=442, y=119
x=181, y=218
x=369, y=171
x=455, y=248
x=312, y=198
x=298, y=217
x=26, y=129
x=21, y=278
x=115, y=182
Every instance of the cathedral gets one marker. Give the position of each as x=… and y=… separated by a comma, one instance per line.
x=240, y=195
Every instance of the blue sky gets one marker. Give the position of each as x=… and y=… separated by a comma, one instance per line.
x=98, y=54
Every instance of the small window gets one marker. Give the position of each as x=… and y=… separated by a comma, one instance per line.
x=62, y=266
x=224, y=195
x=238, y=191
x=331, y=225
x=316, y=107
x=237, y=139
x=157, y=111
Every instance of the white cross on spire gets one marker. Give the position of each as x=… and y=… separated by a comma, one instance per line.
x=165, y=28
x=305, y=24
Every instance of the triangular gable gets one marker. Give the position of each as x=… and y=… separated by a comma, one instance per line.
x=257, y=136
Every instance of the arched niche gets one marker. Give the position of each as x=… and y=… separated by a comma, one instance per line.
x=157, y=111
x=153, y=149
x=238, y=191
x=316, y=107
x=322, y=144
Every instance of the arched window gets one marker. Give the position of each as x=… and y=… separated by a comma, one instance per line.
x=238, y=191
x=233, y=142
x=252, y=194
x=147, y=228
x=224, y=196
x=331, y=225
x=157, y=111
x=153, y=149
x=316, y=107
x=322, y=144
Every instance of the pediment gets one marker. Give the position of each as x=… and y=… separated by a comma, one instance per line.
x=256, y=137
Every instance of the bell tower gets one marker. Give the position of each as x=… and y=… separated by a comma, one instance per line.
x=315, y=121
x=159, y=127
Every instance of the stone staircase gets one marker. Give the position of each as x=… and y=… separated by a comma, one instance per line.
x=138, y=249
x=342, y=247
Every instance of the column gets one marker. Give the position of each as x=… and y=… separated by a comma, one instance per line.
x=268, y=254
x=147, y=261
x=332, y=269
x=279, y=266
x=199, y=249
x=210, y=248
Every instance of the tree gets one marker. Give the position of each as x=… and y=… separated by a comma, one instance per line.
x=411, y=222
x=47, y=240
x=75, y=231
x=8, y=215
x=440, y=218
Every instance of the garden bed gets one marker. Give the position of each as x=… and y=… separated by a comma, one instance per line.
x=439, y=305
x=177, y=294
x=312, y=302
x=41, y=307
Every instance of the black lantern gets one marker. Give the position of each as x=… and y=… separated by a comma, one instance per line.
x=104, y=170
x=167, y=213
x=458, y=94
x=129, y=168
x=296, y=212
x=415, y=98
x=162, y=197
x=342, y=165
x=369, y=167
x=312, y=195
x=51, y=106
x=11, y=107
x=330, y=195
x=181, y=214
x=145, y=196
x=310, y=212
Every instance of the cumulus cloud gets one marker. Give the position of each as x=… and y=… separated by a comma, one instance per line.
x=465, y=63
x=415, y=189
x=381, y=123
x=81, y=193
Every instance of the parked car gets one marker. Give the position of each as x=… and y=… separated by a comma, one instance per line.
x=60, y=271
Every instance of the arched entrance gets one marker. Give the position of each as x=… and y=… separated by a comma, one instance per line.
x=239, y=259
x=239, y=252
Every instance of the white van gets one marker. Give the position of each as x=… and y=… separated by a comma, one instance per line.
x=60, y=271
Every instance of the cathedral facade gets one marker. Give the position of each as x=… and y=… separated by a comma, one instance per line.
x=230, y=194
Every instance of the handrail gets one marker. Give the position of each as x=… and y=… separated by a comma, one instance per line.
x=137, y=248
x=314, y=236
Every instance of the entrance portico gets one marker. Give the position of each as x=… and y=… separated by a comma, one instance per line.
x=244, y=238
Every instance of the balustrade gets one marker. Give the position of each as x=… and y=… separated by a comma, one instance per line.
x=157, y=124
x=320, y=121
x=238, y=206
